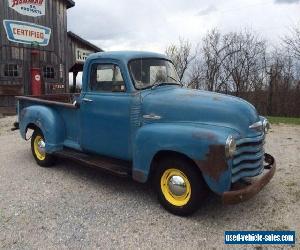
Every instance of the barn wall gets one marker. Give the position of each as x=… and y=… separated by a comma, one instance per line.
x=74, y=44
x=52, y=55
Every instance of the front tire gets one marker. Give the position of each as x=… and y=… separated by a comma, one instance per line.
x=42, y=158
x=179, y=185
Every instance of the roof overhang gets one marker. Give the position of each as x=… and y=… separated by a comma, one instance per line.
x=70, y=3
x=85, y=42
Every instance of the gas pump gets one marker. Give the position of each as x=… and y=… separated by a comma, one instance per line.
x=36, y=81
x=35, y=71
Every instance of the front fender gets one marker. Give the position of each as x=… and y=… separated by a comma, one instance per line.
x=204, y=144
x=48, y=121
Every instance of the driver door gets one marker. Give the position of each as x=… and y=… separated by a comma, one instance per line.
x=105, y=112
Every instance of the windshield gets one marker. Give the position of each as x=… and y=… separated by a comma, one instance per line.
x=150, y=72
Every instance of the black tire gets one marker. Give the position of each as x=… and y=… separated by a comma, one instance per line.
x=198, y=187
x=48, y=159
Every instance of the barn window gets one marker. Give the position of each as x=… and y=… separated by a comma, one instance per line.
x=48, y=72
x=11, y=70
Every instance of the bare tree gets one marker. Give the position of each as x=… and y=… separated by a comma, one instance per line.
x=197, y=77
x=233, y=62
x=206, y=69
x=245, y=61
x=283, y=84
x=212, y=57
x=240, y=63
x=292, y=41
x=181, y=55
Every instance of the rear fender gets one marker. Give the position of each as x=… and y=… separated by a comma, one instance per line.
x=48, y=121
x=204, y=144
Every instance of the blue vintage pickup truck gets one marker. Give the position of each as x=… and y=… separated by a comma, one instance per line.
x=134, y=118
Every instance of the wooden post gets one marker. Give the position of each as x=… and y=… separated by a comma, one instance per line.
x=74, y=81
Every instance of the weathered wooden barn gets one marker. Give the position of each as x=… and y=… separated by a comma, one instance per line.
x=79, y=49
x=36, y=51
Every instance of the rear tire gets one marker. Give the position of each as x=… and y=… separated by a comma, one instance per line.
x=42, y=158
x=179, y=185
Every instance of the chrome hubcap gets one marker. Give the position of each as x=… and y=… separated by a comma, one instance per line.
x=41, y=146
x=177, y=185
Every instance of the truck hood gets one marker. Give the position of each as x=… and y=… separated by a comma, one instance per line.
x=176, y=104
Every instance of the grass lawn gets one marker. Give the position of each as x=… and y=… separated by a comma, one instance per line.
x=286, y=120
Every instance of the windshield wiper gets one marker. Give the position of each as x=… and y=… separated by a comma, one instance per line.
x=163, y=83
x=171, y=77
x=156, y=84
x=179, y=83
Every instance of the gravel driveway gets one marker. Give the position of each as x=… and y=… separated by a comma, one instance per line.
x=70, y=206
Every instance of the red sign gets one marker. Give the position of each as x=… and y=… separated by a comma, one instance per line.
x=32, y=8
x=26, y=32
x=17, y=2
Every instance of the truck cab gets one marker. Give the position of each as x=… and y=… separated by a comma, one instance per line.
x=134, y=118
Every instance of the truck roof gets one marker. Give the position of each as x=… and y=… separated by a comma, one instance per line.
x=126, y=56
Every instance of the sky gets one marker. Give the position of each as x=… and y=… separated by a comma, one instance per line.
x=153, y=25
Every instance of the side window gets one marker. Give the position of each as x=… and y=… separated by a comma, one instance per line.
x=48, y=72
x=106, y=78
x=11, y=70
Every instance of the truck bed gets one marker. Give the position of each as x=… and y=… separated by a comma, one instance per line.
x=64, y=107
x=65, y=100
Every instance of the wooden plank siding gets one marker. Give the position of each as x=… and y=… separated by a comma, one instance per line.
x=76, y=42
x=16, y=53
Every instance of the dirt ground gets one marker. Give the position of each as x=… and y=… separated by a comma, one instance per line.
x=71, y=206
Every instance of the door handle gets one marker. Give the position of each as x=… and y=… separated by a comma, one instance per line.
x=87, y=100
x=152, y=117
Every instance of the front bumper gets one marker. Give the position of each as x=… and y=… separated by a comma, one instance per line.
x=242, y=192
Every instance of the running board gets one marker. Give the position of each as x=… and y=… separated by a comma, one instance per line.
x=114, y=166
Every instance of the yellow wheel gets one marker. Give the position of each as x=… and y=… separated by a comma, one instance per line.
x=38, y=148
x=179, y=185
x=175, y=187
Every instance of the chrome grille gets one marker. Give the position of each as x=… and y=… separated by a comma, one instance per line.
x=248, y=159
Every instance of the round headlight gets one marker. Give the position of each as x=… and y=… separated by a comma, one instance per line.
x=266, y=126
x=230, y=147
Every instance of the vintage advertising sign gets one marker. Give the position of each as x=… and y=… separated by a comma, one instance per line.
x=27, y=33
x=81, y=55
x=32, y=8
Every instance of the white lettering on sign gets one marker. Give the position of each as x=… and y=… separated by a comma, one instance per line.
x=27, y=33
x=81, y=55
x=32, y=8
x=58, y=86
